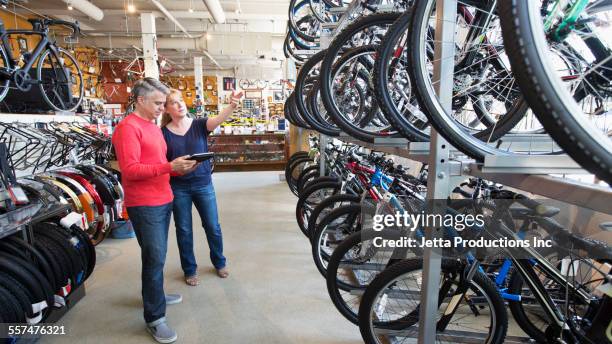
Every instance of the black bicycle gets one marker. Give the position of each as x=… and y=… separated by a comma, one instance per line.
x=57, y=72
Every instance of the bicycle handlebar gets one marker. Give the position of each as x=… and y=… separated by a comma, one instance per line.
x=74, y=26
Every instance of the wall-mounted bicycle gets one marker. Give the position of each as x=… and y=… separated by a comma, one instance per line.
x=57, y=72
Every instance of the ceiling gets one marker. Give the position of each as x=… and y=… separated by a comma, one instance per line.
x=250, y=39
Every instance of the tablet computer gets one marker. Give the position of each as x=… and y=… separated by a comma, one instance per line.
x=201, y=156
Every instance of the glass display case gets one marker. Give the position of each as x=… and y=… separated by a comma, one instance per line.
x=254, y=152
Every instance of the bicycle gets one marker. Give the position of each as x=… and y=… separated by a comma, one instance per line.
x=57, y=73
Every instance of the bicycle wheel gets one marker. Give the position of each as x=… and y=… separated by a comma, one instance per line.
x=5, y=76
x=307, y=27
x=354, y=265
x=312, y=196
x=359, y=114
x=327, y=206
x=295, y=170
x=301, y=91
x=389, y=310
x=317, y=109
x=528, y=312
x=365, y=31
x=310, y=173
x=392, y=84
x=333, y=229
x=61, y=80
x=486, y=101
x=573, y=107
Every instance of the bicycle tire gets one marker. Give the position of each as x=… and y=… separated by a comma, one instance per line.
x=293, y=7
x=320, y=180
x=300, y=96
x=71, y=258
x=303, y=208
x=293, y=158
x=473, y=145
x=36, y=257
x=335, y=287
x=485, y=284
x=381, y=86
x=11, y=309
x=334, y=49
x=70, y=244
x=56, y=262
x=17, y=290
x=552, y=104
x=329, y=202
x=351, y=212
x=90, y=248
x=39, y=75
x=296, y=168
x=29, y=276
x=5, y=84
x=309, y=173
x=312, y=104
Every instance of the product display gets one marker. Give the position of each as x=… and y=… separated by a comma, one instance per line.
x=248, y=152
x=380, y=81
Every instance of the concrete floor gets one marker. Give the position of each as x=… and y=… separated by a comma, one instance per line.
x=273, y=295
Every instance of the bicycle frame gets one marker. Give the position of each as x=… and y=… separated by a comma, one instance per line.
x=40, y=47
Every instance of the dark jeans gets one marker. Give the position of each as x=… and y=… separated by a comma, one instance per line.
x=206, y=203
x=151, y=228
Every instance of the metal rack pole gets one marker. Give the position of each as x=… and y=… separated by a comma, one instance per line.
x=438, y=184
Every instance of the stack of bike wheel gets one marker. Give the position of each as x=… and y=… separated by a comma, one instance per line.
x=375, y=78
x=48, y=238
x=530, y=78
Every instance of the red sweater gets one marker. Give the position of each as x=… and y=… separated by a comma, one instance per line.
x=145, y=171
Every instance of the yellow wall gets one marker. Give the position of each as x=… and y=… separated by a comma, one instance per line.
x=188, y=84
x=86, y=57
x=11, y=23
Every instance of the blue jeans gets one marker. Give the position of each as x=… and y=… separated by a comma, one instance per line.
x=203, y=197
x=151, y=228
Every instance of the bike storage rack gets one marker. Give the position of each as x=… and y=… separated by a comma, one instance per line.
x=448, y=167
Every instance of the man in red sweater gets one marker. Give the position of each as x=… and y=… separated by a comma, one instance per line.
x=145, y=175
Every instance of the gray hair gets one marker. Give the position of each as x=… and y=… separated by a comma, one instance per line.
x=144, y=87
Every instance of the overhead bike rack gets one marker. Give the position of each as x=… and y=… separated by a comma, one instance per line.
x=538, y=174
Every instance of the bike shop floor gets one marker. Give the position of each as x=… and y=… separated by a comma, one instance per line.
x=274, y=293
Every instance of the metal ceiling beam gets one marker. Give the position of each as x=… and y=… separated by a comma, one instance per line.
x=171, y=17
x=216, y=11
x=86, y=8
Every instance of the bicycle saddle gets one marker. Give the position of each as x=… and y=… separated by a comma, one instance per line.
x=544, y=211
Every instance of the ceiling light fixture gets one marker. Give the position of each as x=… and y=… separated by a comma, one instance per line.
x=131, y=8
x=70, y=8
x=208, y=36
x=190, y=6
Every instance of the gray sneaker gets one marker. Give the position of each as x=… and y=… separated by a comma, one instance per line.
x=173, y=299
x=162, y=333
